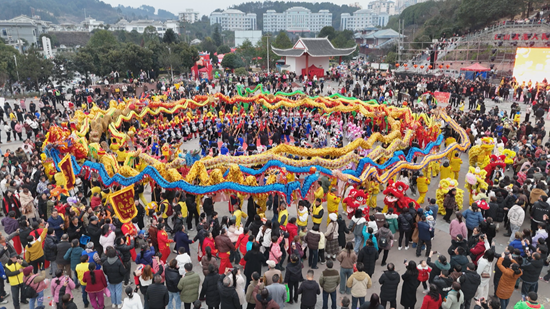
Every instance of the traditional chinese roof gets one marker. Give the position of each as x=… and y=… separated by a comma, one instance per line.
x=316, y=47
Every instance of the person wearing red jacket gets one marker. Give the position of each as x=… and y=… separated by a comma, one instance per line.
x=478, y=250
x=95, y=290
x=432, y=300
x=292, y=230
x=164, y=242
x=128, y=229
x=241, y=245
x=209, y=242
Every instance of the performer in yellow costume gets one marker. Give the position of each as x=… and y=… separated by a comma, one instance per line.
x=422, y=183
x=333, y=201
x=373, y=190
x=446, y=171
x=455, y=165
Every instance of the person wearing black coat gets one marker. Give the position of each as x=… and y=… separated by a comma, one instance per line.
x=209, y=290
x=124, y=249
x=469, y=281
x=410, y=285
x=192, y=209
x=368, y=256
x=293, y=277
x=62, y=247
x=255, y=225
x=172, y=277
x=50, y=246
x=94, y=231
x=342, y=231
x=532, y=267
x=157, y=294
x=112, y=267
x=254, y=261
x=228, y=294
x=251, y=211
x=458, y=242
x=389, y=281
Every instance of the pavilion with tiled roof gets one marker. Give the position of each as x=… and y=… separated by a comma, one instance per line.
x=310, y=56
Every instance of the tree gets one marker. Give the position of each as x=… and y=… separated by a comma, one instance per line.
x=188, y=54
x=34, y=68
x=216, y=36
x=7, y=63
x=282, y=40
x=261, y=52
x=136, y=58
x=150, y=34
x=84, y=61
x=241, y=72
x=246, y=52
x=231, y=61
x=63, y=68
x=328, y=32
x=169, y=36
x=223, y=49
x=103, y=38
x=208, y=45
x=391, y=58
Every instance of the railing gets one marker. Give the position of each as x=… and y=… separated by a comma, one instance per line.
x=506, y=25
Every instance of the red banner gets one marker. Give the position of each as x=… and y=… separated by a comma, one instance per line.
x=442, y=97
x=123, y=204
x=66, y=167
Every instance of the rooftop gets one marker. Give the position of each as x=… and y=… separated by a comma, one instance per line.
x=316, y=47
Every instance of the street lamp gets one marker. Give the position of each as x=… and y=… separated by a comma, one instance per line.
x=171, y=72
x=267, y=36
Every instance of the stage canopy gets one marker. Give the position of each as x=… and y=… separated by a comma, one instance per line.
x=476, y=68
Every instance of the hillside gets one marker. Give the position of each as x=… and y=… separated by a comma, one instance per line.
x=434, y=19
x=260, y=7
x=61, y=11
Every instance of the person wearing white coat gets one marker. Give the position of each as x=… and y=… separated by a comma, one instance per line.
x=485, y=269
x=132, y=301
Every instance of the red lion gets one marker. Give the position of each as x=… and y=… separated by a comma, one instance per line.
x=356, y=199
x=396, y=198
x=496, y=161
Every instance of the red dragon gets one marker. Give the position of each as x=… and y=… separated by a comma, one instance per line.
x=355, y=200
x=396, y=198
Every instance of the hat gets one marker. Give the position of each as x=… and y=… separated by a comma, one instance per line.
x=27, y=270
x=333, y=216
x=93, y=218
x=13, y=254
x=90, y=245
x=333, y=189
x=459, y=237
x=271, y=263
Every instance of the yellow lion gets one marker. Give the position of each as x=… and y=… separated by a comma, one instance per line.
x=445, y=185
x=510, y=155
x=479, y=155
x=475, y=181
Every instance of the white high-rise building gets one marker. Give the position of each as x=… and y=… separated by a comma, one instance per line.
x=296, y=19
x=382, y=7
x=232, y=20
x=189, y=16
x=363, y=19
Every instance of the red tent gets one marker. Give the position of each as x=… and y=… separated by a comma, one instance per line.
x=476, y=68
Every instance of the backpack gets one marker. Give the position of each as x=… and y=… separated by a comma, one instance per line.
x=28, y=291
x=170, y=210
x=383, y=241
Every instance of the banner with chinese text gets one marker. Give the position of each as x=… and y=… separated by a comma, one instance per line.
x=123, y=204
x=66, y=167
x=442, y=97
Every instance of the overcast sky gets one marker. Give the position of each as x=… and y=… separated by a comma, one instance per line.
x=204, y=7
